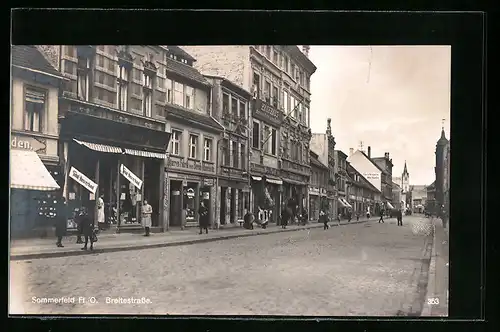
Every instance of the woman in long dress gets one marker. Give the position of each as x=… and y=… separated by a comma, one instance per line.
x=100, y=210
x=147, y=210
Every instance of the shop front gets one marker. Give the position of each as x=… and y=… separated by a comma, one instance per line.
x=295, y=190
x=234, y=200
x=314, y=203
x=118, y=162
x=187, y=192
x=343, y=206
x=34, y=192
x=266, y=190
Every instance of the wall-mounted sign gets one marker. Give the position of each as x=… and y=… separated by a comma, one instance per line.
x=372, y=176
x=208, y=182
x=83, y=180
x=190, y=193
x=39, y=145
x=134, y=179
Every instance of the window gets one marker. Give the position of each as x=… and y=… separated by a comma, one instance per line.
x=256, y=135
x=176, y=142
x=168, y=87
x=207, y=150
x=178, y=94
x=281, y=60
x=266, y=139
x=193, y=144
x=301, y=78
x=273, y=141
x=292, y=71
x=83, y=79
x=123, y=89
x=70, y=51
x=268, y=52
x=267, y=91
x=256, y=84
x=243, y=152
x=286, y=103
x=301, y=114
x=275, y=57
x=189, y=97
x=243, y=111
x=236, y=154
x=225, y=103
x=308, y=82
x=286, y=63
x=34, y=109
x=226, y=153
x=240, y=204
x=234, y=107
x=293, y=103
x=305, y=111
x=147, y=102
x=275, y=96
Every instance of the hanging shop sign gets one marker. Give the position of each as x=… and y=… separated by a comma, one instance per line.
x=83, y=180
x=134, y=179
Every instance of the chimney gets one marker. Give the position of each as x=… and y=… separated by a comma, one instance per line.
x=369, y=152
x=329, y=127
x=351, y=151
x=386, y=155
x=305, y=50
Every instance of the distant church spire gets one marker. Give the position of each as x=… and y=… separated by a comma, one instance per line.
x=405, y=170
x=442, y=140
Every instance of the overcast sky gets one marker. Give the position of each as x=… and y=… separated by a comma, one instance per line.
x=395, y=105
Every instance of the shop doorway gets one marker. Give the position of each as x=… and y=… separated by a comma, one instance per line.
x=152, y=188
x=191, y=203
x=175, y=203
x=232, y=212
x=223, y=205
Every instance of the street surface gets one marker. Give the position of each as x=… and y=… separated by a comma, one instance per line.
x=354, y=270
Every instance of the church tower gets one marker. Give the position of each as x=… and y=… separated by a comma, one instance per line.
x=405, y=179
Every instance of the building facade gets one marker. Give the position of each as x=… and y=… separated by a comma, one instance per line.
x=385, y=163
x=112, y=129
x=397, y=200
x=230, y=105
x=342, y=183
x=362, y=162
x=419, y=197
x=35, y=170
x=324, y=146
x=364, y=194
x=318, y=187
x=446, y=179
x=279, y=79
x=192, y=159
x=439, y=169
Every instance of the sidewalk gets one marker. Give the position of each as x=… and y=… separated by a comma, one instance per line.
x=110, y=242
x=436, y=300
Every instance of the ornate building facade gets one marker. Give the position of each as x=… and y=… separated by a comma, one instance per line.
x=278, y=76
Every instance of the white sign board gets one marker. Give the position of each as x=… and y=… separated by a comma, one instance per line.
x=134, y=179
x=83, y=180
x=372, y=176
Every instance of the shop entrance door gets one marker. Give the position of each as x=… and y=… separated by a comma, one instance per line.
x=176, y=214
x=232, y=212
x=223, y=206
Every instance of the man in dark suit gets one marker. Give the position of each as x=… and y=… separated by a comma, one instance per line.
x=399, y=215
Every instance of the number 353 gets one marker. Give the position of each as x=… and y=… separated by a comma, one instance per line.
x=433, y=300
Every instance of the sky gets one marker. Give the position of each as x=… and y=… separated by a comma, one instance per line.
x=392, y=98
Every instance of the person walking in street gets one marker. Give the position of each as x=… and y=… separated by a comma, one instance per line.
x=305, y=217
x=400, y=217
x=285, y=215
x=349, y=215
x=61, y=221
x=87, y=224
x=100, y=211
x=357, y=216
x=203, y=212
x=381, y=216
x=368, y=214
x=323, y=217
x=147, y=210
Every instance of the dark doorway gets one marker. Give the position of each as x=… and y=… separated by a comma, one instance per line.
x=233, y=205
x=223, y=205
x=175, y=203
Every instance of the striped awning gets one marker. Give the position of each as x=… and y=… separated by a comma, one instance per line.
x=27, y=171
x=389, y=205
x=100, y=147
x=146, y=154
x=344, y=203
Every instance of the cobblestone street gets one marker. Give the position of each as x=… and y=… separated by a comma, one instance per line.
x=361, y=269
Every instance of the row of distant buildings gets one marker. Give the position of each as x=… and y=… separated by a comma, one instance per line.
x=226, y=125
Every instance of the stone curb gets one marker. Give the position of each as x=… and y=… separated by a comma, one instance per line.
x=14, y=257
x=427, y=307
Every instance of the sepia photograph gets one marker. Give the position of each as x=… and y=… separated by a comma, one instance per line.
x=230, y=180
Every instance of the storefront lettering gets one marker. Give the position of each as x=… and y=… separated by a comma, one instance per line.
x=134, y=179
x=83, y=180
x=372, y=176
x=39, y=145
x=208, y=182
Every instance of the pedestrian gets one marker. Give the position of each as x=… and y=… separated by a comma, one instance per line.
x=349, y=215
x=357, y=216
x=79, y=226
x=248, y=220
x=87, y=228
x=400, y=217
x=100, y=210
x=203, y=212
x=381, y=216
x=285, y=215
x=368, y=214
x=323, y=217
x=61, y=221
x=339, y=215
x=147, y=210
x=305, y=216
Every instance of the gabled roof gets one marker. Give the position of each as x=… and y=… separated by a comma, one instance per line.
x=28, y=56
x=186, y=71
x=373, y=163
